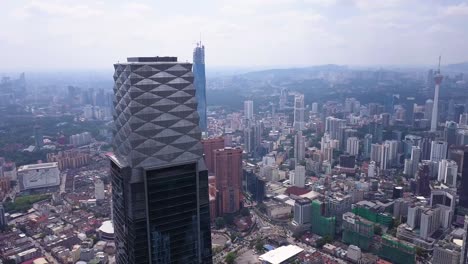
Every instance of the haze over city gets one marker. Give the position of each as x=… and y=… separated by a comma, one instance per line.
x=234, y=132
x=59, y=35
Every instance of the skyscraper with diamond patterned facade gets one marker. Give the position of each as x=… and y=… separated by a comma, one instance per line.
x=159, y=179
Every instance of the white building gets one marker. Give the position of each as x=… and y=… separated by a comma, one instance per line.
x=299, y=112
x=40, y=175
x=248, y=109
x=438, y=150
x=314, y=108
x=299, y=176
x=280, y=255
x=352, y=146
x=99, y=189
x=299, y=146
x=430, y=222
x=448, y=172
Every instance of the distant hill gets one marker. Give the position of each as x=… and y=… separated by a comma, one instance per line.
x=294, y=71
x=463, y=67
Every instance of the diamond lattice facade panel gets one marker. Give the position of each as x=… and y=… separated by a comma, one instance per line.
x=159, y=179
x=156, y=120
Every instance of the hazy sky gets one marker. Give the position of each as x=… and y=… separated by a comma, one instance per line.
x=85, y=34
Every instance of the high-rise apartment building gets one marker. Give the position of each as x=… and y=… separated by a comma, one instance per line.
x=299, y=146
x=209, y=146
x=159, y=179
x=352, y=146
x=200, y=83
x=438, y=150
x=248, y=110
x=299, y=112
x=333, y=125
x=228, y=171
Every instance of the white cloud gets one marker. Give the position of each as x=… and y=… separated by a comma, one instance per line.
x=377, y=4
x=456, y=10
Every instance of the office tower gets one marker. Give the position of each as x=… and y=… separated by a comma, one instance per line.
x=435, y=114
x=393, y=152
x=463, y=191
x=299, y=112
x=200, y=83
x=448, y=172
x=425, y=145
x=385, y=119
x=345, y=133
x=3, y=219
x=209, y=146
x=423, y=179
x=299, y=146
x=314, y=109
x=367, y=145
x=385, y=157
x=159, y=180
x=299, y=176
x=228, y=171
x=415, y=157
x=38, y=137
x=459, y=109
x=375, y=129
x=438, y=150
x=409, y=110
x=409, y=142
x=428, y=109
x=333, y=125
x=457, y=156
x=450, y=133
x=248, y=110
x=283, y=100
x=464, y=248
x=347, y=161
x=252, y=135
x=302, y=211
x=376, y=152
x=397, y=192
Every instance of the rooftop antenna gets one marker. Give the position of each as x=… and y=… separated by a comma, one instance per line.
x=200, y=38
x=439, y=63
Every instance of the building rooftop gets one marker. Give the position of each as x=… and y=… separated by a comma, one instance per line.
x=39, y=166
x=280, y=254
x=152, y=59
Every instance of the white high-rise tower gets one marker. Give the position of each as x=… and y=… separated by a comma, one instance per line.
x=299, y=112
x=437, y=79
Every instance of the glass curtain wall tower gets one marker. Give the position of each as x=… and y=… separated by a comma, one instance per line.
x=200, y=83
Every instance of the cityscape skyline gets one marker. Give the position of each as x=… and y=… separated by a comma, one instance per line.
x=177, y=158
x=301, y=33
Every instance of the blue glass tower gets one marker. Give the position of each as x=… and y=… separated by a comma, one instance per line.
x=200, y=83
